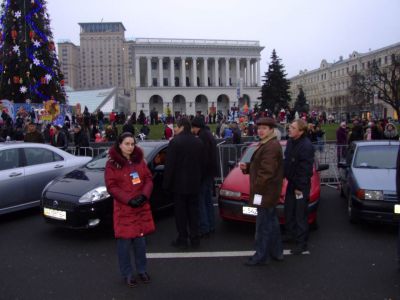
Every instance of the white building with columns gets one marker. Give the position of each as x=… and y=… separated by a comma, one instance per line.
x=193, y=75
x=184, y=75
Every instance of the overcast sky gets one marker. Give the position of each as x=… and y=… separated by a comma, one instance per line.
x=303, y=32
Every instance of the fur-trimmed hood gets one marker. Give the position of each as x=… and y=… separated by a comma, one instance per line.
x=119, y=161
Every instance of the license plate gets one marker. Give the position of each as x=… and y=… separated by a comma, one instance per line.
x=55, y=214
x=251, y=211
x=397, y=208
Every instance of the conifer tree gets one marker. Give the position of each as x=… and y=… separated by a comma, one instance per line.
x=29, y=68
x=301, y=104
x=275, y=90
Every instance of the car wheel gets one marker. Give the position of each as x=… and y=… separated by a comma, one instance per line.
x=350, y=210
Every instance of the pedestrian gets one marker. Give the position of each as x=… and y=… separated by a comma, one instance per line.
x=390, y=132
x=341, y=141
x=33, y=135
x=206, y=207
x=266, y=177
x=59, y=138
x=129, y=182
x=81, y=141
x=298, y=166
x=182, y=177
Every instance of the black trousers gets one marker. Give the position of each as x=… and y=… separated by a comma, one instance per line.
x=187, y=217
x=296, y=215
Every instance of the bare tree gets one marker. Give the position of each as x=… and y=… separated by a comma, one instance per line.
x=378, y=82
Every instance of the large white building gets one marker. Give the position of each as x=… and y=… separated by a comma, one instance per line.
x=327, y=88
x=183, y=76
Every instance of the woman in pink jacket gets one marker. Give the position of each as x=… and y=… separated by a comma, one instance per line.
x=129, y=182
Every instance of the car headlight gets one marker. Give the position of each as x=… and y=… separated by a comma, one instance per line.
x=370, y=194
x=228, y=193
x=97, y=194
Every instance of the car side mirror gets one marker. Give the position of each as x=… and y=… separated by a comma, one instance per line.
x=322, y=167
x=159, y=168
x=343, y=165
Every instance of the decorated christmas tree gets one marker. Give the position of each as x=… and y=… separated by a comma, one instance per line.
x=29, y=68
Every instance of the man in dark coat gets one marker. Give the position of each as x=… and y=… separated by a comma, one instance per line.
x=298, y=163
x=266, y=176
x=59, y=139
x=207, y=219
x=81, y=141
x=33, y=135
x=182, y=176
x=341, y=141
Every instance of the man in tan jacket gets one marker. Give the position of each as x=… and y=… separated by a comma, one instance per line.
x=266, y=176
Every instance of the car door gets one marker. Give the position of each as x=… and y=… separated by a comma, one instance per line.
x=12, y=186
x=41, y=166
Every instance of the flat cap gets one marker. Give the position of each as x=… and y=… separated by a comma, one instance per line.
x=266, y=121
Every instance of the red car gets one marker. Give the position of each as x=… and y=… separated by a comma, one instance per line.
x=234, y=194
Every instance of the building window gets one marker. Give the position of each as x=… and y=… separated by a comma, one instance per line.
x=165, y=65
x=165, y=81
x=154, y=81
x=153, y=65
x=386, y=60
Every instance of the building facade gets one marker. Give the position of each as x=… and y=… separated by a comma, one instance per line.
x=327, y=88
x=181, y=76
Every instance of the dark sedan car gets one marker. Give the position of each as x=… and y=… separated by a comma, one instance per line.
x=368, y=180
x=80, y=199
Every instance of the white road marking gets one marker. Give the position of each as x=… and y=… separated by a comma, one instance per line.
x=209, y=254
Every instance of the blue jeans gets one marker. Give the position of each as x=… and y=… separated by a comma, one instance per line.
x=124, y=247
x=268, y=241
x=206, y=206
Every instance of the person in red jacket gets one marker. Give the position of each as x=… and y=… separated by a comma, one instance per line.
x=129, y=182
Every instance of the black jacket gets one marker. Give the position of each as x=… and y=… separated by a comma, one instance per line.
x=184, y=166
x=210, y=152
x=298, y=163
x=62, y=141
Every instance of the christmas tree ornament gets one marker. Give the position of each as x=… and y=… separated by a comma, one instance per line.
x=15, y=79
x=23, y=89
x=17, y=14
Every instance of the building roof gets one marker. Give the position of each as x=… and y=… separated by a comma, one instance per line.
x=103, y=99
x=102, y=27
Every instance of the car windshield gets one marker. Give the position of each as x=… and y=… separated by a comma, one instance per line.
x=99, y=162
x=376, y=157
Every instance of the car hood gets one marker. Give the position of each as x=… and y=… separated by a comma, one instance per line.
x=237, y=181
x=77, y=182
x=375, y=179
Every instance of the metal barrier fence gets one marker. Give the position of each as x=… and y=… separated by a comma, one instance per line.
x=229, y=154
x=327, y=153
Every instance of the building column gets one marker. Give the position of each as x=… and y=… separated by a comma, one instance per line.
x=258, y=73
x=226, y=71
x=183, y=71
x=194, y=71
x=254, y=74
x=237, y=70
x=137, y=71
x=216, y=75
x=205, y=71
x=160, y=72
x=148, y=71
x=171, y=71
x=248, y=72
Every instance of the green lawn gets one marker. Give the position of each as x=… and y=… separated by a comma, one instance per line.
x=157, y=131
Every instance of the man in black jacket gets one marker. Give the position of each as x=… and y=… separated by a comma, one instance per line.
x=81, y=140
x=206, y=208
x=59, y=139
x=182, y=176
x=298, y=164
